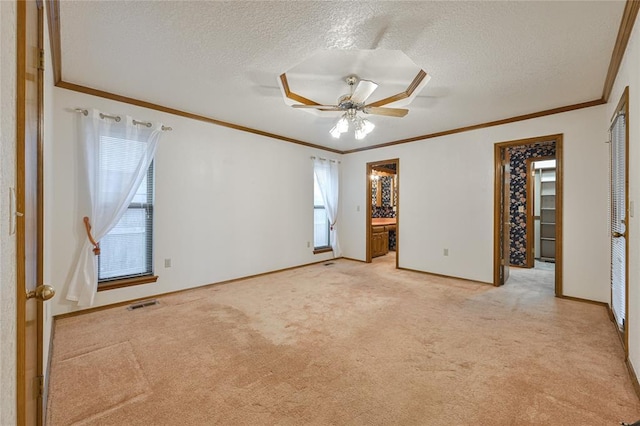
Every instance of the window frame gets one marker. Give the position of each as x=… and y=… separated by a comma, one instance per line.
x=148, y=276
x=322, y=249
x=325, y=248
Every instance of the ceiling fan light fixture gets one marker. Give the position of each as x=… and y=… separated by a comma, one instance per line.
x=367, y=126
x=360, y=134
x=360, y=100
x=343, y=124
x=335, y=132
x=361, y=126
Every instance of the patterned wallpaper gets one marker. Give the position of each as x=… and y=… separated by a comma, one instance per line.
x=386, y=190
x=374, y=192
x=385, y=210
x=382, y=211
x=519, y=156
x=392, y=240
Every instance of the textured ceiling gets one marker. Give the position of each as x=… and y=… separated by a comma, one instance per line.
x=221, y=59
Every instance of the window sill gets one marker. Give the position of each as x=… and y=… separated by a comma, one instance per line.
x=322, y=250
x=127, y=282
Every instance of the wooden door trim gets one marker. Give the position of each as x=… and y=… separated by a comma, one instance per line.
x=21, y=297
x=625, y=96
x=498, y=147
x=529, y=185
x=559, y=215
x=497, y=196
x=20, y=204
x=367, y=256
x=40, y=215
x=370, y=167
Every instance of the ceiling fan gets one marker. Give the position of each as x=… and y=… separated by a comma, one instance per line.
x=355, y=101
x=351, y=104
x=355, y=104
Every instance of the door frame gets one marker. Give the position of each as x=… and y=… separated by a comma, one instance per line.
x=22, y=344
x=530, y=259
x=368, y=233
x=498, y=148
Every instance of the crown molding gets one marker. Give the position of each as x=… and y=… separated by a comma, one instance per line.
x=624, y=33
x=484, y=125
x=144, y=104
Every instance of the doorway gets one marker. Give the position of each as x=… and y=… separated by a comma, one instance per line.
x=383, y=208
x=515, y=207
x=541, y=211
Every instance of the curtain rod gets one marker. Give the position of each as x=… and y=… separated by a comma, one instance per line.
x=324, y=159
x=85, y=112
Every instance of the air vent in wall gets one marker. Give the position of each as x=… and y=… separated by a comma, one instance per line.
x=142, y=304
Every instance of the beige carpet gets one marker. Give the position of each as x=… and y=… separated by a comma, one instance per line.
x=347, y=343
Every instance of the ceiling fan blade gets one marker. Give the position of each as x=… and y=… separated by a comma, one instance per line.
x=319, y=107
x=363, y=90
x=390, y=112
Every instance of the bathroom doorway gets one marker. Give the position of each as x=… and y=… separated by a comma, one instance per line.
x=383, y=208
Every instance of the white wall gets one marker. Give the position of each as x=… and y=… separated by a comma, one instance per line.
x=231, y=204
x=629, y=75
x=7, y=241
x=446, y=200
x=228, y=204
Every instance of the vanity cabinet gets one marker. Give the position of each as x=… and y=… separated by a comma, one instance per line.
x=379, y=241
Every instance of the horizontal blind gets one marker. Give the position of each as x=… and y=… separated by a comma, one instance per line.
x=618, y=219
x=127, y=250
x=321, y=227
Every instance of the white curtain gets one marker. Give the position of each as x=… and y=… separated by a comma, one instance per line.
x=328, y=174
x=116, y=154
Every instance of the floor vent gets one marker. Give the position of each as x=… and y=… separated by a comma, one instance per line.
x=142, y=304
x=328, y=264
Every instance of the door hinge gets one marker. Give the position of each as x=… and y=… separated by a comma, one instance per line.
x=41, y=60
x=40, y=386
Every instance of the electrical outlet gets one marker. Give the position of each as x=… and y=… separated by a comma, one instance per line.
x=446, y=252
x=167, y=263
x=357, y=208
x=308, y=244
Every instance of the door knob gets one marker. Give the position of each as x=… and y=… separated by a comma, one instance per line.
x=42, y=292
x=618, y=234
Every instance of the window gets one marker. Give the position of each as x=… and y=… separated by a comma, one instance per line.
x=127, y=250
x=118, y=154
x=321, y=228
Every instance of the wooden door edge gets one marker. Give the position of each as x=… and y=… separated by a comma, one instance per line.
x=497, y=159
